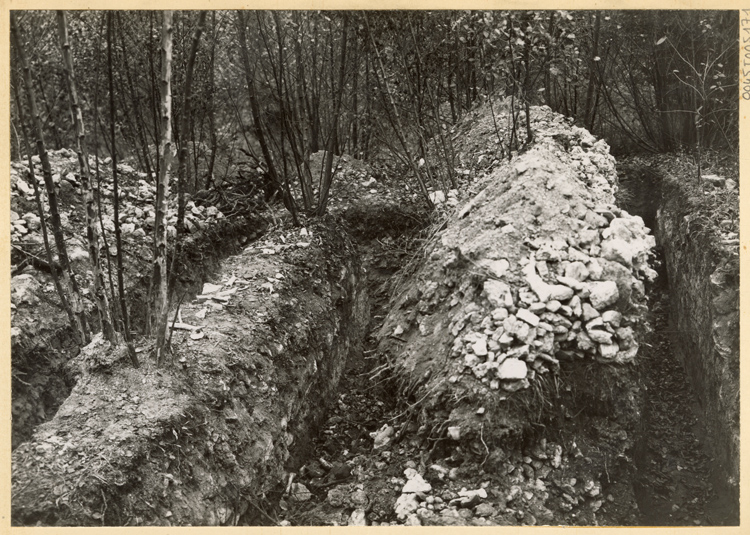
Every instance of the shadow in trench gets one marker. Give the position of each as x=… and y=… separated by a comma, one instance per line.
x=676, y=483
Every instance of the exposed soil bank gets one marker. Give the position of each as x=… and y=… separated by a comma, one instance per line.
x=197, y=442
x=703, y=274
x=42, y=340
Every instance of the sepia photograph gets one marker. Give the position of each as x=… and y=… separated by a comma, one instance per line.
x=374, y=267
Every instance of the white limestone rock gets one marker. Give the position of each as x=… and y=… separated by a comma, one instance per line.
x=603, y=294
x=512, y=369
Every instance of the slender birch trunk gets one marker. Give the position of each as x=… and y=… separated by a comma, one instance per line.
x=166, y=151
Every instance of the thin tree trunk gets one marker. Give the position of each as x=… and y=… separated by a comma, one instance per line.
x=140, y=128
x=315, y=88
x=395, y=120
x=279, y=80
x=40, y=208
x=112, y=294
x=160, y=277
x=212, y=107
x=80, y=325
x=258, y=127
x=589, y=107
x=50, y=119
x=354, y=121
x=367, y=126
x=92, y=230
x=185, y=125
x=548, y=92
x=527, y=89
x=328, y=164
x=154, y=92
x=116, y=200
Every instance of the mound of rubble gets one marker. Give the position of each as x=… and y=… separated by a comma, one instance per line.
x=137, y=195
x=538, y=270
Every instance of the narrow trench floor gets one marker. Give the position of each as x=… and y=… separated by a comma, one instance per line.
x=671, y=485
x=674, y=471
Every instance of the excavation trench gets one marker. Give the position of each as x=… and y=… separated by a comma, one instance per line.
x=198, y=442
x=666, y=474
x=686, y=453
x=551, y=451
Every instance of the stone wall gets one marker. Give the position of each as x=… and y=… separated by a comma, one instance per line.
x=703, y=274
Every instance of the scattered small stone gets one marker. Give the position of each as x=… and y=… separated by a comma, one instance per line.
x=415, y=482
x=32, y=221
x=512, y=369
x=498, y=293
x=406, y=504
x=603, y=294
x=613, y=317
x=588, y=312
x=480, y=347
x=527, y=316
x=497, y=268
x=382, y=437
x=337, y=496
x=358, y=518
x=484, y=510
x=300, y=493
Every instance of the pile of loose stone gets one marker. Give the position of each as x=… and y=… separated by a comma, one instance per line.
x=567, y=308
x=536, y=267
x=478, y=147
x=137, y=212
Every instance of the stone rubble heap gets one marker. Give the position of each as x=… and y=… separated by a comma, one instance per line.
x=567, y=308
x=535, y=267
x=479, y=149
x=137, y=212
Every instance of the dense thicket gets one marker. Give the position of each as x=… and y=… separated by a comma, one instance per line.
x=644, y=80
x=256, y=93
